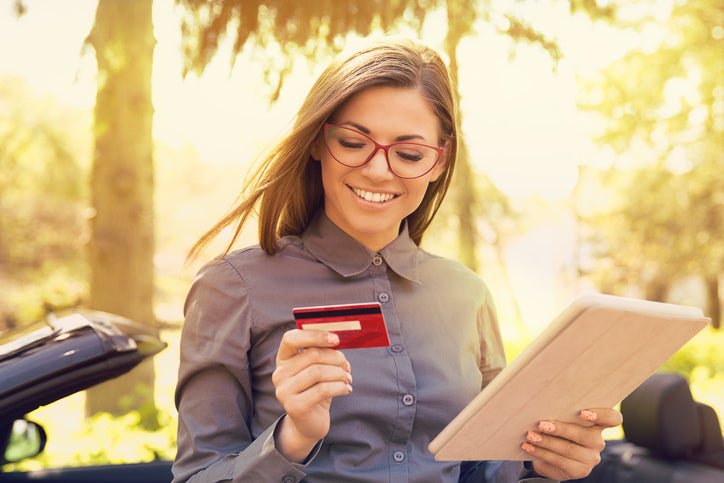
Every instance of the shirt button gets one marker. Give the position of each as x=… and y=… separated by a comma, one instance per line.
x=383, y=297
x=377, y=261
x=397, y=348
x=398, y=456
x=408, y=399
x=289, y=479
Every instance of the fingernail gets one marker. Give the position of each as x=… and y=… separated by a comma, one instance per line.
x=349, y=367
x=333, y=338
x=589, y=415
x=534, y=437
x=546, y=426
x=349, y=378
x=349, y=388
x=527, y=447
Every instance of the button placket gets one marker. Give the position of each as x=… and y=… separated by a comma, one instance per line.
x=406, y=384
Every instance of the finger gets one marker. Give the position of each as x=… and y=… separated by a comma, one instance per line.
x=295, y=340
x=305, y=401
x=309, y=377
x=564, y=447
x=604, y=417
x=310, y=356
x=561, y=467
x=588, y=436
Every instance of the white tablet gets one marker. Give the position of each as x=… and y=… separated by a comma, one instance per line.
x=592, y=355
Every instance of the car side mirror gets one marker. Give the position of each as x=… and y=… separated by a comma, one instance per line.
x=26, y=439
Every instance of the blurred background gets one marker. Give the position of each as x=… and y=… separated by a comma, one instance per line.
x=593, y=160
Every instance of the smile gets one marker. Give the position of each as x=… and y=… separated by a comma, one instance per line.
x=374, y=197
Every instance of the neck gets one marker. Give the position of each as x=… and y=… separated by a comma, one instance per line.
x=374, y=241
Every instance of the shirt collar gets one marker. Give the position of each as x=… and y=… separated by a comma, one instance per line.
x=348, y=257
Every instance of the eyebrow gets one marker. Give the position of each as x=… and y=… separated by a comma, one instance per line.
x=405, y=137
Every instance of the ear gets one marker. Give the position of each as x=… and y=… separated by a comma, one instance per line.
x=316, y=151
x=440, y=167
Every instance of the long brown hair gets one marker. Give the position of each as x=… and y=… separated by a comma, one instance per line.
x=288, y=184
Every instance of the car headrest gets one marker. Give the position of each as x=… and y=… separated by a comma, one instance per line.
x=662, y=416
x=712, y=440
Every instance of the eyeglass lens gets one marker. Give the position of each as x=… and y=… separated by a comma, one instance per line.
x=407, y=160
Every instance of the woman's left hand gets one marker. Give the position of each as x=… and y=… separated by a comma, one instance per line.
x=566, y=451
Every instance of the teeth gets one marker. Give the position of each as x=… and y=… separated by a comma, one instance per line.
x=374, y=197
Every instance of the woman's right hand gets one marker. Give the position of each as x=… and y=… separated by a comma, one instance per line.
x=308, y=375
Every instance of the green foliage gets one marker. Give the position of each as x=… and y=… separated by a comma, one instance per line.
x=605, y=10
x=149, y=415
x=105, y=439
x=703, y=352
x=42, y=186
x=663, y=107
x=668, y=96
x=662, y=228
x=514, y=347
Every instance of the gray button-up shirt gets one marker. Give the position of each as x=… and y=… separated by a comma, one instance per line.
x=445, y=346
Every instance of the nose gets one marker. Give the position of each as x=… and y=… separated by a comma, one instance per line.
x=377, y=167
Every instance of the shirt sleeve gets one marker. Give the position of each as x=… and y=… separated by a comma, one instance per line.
x=214, y=393
x=500, y=472
x=492, y=352
x=528, y=475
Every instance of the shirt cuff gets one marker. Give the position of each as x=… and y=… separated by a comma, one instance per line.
x=271, y=465
x=528, y=475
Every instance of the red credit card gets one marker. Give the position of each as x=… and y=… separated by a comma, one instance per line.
x=357, y=325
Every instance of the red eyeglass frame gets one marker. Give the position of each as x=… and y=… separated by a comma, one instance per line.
x=385, y=147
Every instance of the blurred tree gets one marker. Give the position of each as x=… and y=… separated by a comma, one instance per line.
x=122, y=233
x=461, y=15
x=42, y=190
x=315, y=29
x=665, y=106
x=19, y=7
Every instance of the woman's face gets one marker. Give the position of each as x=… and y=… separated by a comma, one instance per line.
x=385, y=114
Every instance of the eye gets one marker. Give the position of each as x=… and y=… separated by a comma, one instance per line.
x=351, y=143
x=408, y=154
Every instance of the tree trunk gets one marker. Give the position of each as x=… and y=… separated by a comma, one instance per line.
x=713, y=301
x=122, y=240
x=463, y=188
x=657, y=290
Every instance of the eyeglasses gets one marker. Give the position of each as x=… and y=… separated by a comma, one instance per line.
x=405, y=159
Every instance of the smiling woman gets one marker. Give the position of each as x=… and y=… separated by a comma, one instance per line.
x=344, y=201
x=289, y=189
x=364, y=193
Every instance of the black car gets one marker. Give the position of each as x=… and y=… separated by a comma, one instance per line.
x=58, y=357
